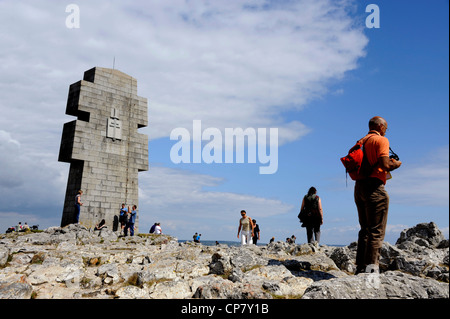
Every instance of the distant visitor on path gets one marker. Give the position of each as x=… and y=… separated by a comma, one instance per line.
x=292, y=239
x=246, y=224
x=78, y=205
x=158, y=229
x=123, y=218
x=311, y=215
x=131, y=221
x=371, y=198
x=256, y=232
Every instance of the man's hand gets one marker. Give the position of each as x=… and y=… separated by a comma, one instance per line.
x=389, y=164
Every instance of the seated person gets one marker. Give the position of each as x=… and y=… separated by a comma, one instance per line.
x=100, y=225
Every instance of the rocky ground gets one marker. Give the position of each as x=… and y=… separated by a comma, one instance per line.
x=74, y=262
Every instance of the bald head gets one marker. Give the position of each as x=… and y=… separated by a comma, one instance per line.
x=379, y=124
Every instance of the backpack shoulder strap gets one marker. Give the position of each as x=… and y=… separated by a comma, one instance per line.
x=365, y=162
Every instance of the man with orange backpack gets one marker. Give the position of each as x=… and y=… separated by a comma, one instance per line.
x=371, y=198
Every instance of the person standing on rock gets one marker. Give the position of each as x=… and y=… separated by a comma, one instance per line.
x=312, y=206
x=123, y=218
x=246, y=224
x=78, y=205
x=131, y=221
x=256, y=232
x=371, y=198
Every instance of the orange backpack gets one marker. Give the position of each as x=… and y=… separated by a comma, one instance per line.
x=356, y=163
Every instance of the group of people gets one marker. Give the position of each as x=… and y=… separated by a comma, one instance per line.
x=127, y=219
x=371, y=199
x=291, y=240
x=19, y=228
x=196, y=237
x=311, y=205
x=156, y=229
x=249, y=230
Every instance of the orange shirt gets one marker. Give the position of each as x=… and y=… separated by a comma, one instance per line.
x=376, y=146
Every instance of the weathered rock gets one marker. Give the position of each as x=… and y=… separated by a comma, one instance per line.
x=173, y=289
x=344, y=259
x=414, y=253
x=220, y=264
x=15, y=290
x=246, y=257
x=4, y=254
x=75, y=262
x=236, y=275
x=389, y=285
x=278, y=281
x=213, y=287
x=425, y=234
x=131, y=292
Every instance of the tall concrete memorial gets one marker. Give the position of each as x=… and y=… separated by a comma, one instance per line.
x=103, y=146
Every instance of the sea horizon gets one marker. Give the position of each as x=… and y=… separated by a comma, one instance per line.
x=238, y=243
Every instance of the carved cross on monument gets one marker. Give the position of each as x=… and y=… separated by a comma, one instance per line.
x=103, y=147
x=114, y=129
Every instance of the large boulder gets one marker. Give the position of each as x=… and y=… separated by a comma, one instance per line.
x=424, y=234
x=421, y=250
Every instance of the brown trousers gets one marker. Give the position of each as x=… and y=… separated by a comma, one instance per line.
x=372, y=202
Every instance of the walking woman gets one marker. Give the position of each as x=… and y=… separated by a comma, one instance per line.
x=312, y=207
x=246, y=224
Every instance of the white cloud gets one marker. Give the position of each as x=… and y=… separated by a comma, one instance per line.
x=28, y=181
x=227, y=63
x=10, y=176
x=230, y=64
x=5, y=139
x=243, y=68
x=187, y=190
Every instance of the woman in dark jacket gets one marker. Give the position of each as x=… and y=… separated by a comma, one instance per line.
x=312, y=206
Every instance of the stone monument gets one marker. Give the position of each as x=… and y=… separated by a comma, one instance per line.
x=103, y=146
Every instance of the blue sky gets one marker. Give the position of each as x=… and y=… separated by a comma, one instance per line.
x=312, y=69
